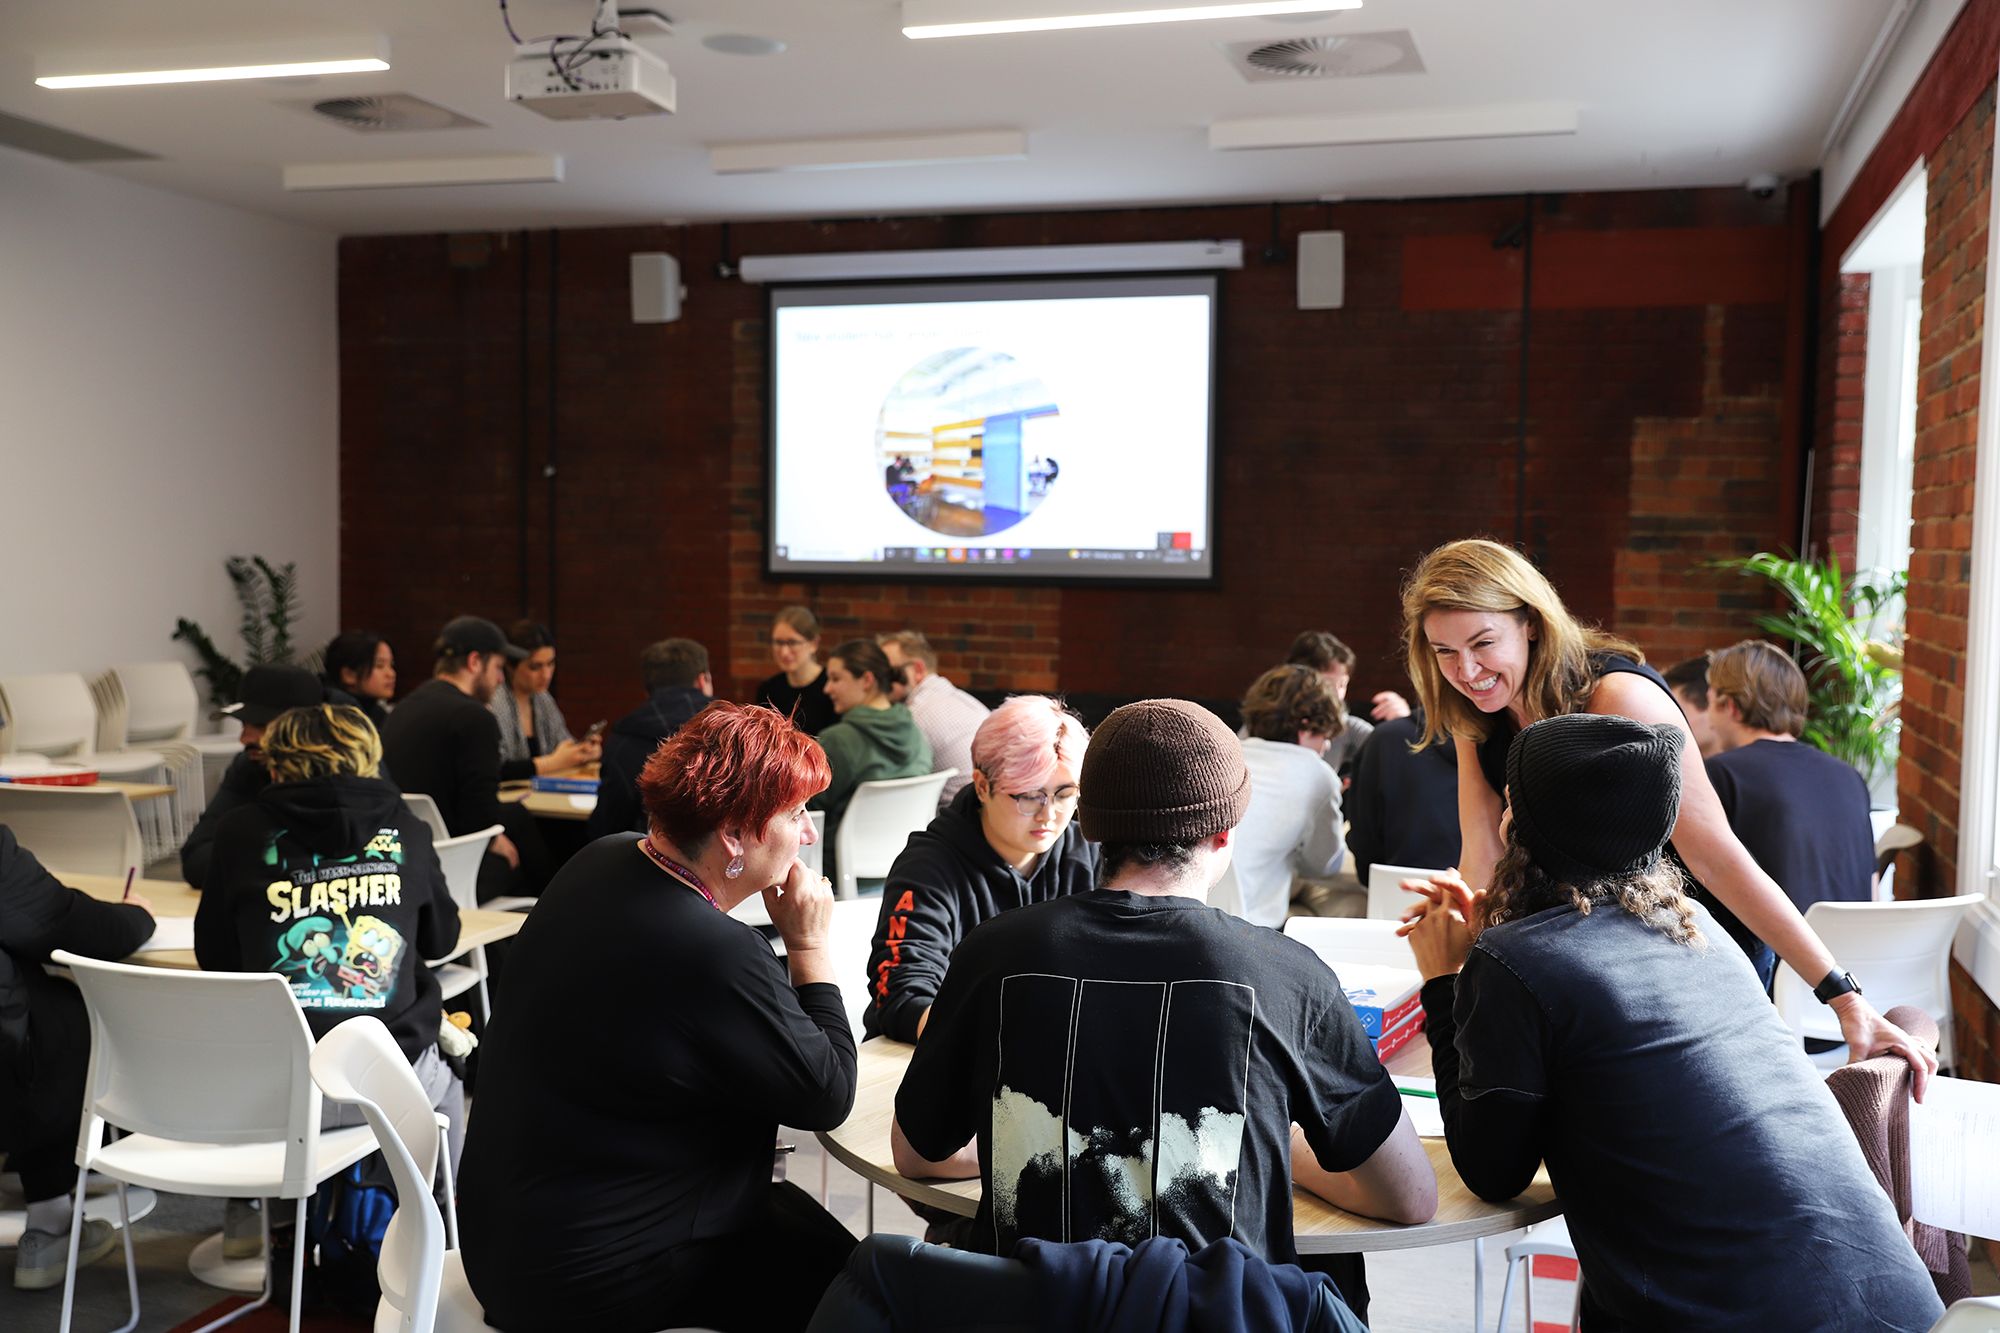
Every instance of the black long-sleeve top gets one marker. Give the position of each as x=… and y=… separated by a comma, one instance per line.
x=245, y=777
x=630, y=1090
x=39, y=915
x=445, y=744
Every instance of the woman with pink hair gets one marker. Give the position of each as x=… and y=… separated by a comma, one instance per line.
x=1006, y=840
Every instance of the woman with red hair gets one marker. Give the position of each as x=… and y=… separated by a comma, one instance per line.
x=617, y=1174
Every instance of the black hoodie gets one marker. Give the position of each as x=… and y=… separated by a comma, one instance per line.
x=335, y=884
x=627, y=747
x=947, y=880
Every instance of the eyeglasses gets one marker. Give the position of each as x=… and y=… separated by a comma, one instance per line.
x=790, y=643
x=1030, y=803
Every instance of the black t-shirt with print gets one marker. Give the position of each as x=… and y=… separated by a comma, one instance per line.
x=1131, y=1066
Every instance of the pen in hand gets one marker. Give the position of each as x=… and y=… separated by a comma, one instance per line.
x=130, y=871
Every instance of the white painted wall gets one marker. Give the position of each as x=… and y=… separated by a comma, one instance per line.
x=168, y=381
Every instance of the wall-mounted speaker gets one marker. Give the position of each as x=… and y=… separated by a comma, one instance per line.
x=1322, y=270
x=656, y=289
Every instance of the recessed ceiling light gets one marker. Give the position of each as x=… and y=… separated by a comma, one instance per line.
x=268, y=60
x=743, y=44
x=966, y=18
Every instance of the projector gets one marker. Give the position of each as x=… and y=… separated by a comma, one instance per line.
x=583, y=78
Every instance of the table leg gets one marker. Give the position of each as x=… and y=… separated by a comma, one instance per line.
x=1478, y=1282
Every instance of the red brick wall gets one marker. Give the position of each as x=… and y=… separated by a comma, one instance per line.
x=1350, y=441
x=1843, y=369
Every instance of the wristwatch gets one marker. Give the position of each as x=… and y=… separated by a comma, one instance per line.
x=1838, y=982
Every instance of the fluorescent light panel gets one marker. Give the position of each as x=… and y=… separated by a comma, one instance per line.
x=903, y=150
x=956, y=18
x=1518, y=120
x=229, y=61
x=511, y=169
x=995, y=261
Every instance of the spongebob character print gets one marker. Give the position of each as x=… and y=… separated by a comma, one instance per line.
x=335, y=953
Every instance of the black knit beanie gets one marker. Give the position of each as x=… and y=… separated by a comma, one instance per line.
x=1593, y=796
x=1162, y=770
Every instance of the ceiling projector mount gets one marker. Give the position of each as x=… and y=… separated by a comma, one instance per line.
x=608, y=73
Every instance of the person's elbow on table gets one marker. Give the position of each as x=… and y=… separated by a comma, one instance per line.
x=1395, y=1184
x=961, y=1165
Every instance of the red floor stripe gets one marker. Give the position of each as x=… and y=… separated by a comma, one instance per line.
x=1542, y=1326
x=1554, y=1266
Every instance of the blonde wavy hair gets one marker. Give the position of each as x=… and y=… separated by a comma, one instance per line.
x=1480, y=575
x=321, y=742
x=1656, y=896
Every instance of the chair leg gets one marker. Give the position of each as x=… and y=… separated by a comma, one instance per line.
x=264, y=1297
x=450, y=1188
x=298, y=1267
x=131, y=1261
x=485, y=1000
x=1478, y=1282
x=1528, y=1293
x=75, y=1239
x=868, y=1188
x=1506, y=1298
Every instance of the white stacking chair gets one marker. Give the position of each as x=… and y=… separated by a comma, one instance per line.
x=160, y=703
x=460, y=859
x=1894, y=839
x=1387, y=901
x=56, y=715
x=208, y=1072
x=1974, y=1314
x=1901, y=952
x=424, y=808
x=1340, y=940
x=1550, y=1238
x=879, y=819
x=82, y=830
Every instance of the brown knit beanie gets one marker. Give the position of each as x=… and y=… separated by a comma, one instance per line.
x=1162, y=771
x=1594, y=796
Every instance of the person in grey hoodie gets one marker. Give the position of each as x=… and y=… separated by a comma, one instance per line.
x=873, y=738
x=1006, y=840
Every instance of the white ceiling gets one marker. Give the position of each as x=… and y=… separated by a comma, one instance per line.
x=1673, y=93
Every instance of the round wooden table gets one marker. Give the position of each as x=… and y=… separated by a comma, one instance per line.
x=862, y=1144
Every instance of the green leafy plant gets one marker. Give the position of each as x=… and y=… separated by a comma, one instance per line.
x=269, y=597
x=1854, y=681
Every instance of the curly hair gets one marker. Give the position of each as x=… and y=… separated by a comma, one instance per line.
x=1289, y=699
x=1522, y=888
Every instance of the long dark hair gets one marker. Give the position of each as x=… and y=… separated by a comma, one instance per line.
x=353, y=651
x=1522, y=888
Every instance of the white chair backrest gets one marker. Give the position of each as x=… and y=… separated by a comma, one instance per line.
x=1340, y=940
x=51, y=714
x=82, y=830
x=427, y=810
x=459, y=858
x=360, y=1064
x=1386, y=899
x=1900, y=951
x=160, y=701
x=200, y=1057
x=849, y=942
x=1974, y=1314
x=879, y=819
x=109, y=697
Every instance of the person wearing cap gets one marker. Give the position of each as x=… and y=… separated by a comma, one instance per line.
x=1586, y=1012
x=443, y=741
x=1129, y=1061
x=264, y=693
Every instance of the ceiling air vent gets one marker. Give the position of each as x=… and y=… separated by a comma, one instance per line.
x=1348, y=56
x=380, y=113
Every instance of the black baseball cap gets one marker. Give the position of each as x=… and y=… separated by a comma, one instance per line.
x=476, y=634
x=267, y=691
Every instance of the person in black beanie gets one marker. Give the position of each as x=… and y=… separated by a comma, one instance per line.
x=1145, y=1029
x=1586, y=1012
x=266, y=691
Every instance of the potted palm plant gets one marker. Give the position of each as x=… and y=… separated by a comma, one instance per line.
x=1854, y=672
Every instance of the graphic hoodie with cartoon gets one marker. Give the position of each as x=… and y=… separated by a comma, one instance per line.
x=334, y=885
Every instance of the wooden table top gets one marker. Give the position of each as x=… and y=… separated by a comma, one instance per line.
x=137, y=791
x=553, y=804
x=171, y=898
x=862, y=1143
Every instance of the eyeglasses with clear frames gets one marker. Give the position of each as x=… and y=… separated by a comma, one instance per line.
x=790, y=643
x=1030, y=803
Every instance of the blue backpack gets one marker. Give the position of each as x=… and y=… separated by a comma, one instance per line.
x=350, y=1215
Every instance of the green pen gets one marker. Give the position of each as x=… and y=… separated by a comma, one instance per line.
x=1416, y=1092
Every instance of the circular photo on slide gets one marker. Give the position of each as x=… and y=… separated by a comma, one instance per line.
x=967, y=442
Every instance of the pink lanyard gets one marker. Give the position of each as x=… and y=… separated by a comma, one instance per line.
x=678, y=871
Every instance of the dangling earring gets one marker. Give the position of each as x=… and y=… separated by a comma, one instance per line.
x=735, y=867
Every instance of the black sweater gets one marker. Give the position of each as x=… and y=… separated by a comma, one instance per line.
x=333, y=883
x=38, y=916
x=442, y=742
x=241, y=781
x=630, y=1091
x=627, y=747
x=947, y=880
x=1403, y=808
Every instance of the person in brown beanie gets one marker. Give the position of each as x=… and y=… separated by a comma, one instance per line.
x=1130, y=1062
x=1586, y=1012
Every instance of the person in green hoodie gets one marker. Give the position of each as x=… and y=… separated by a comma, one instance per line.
x=873, y=738
x=329, y=880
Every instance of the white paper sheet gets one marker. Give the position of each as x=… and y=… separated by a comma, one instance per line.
x=170, y=932
x=1426, y=1116
x=1955, y=1157
x=588, y=802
